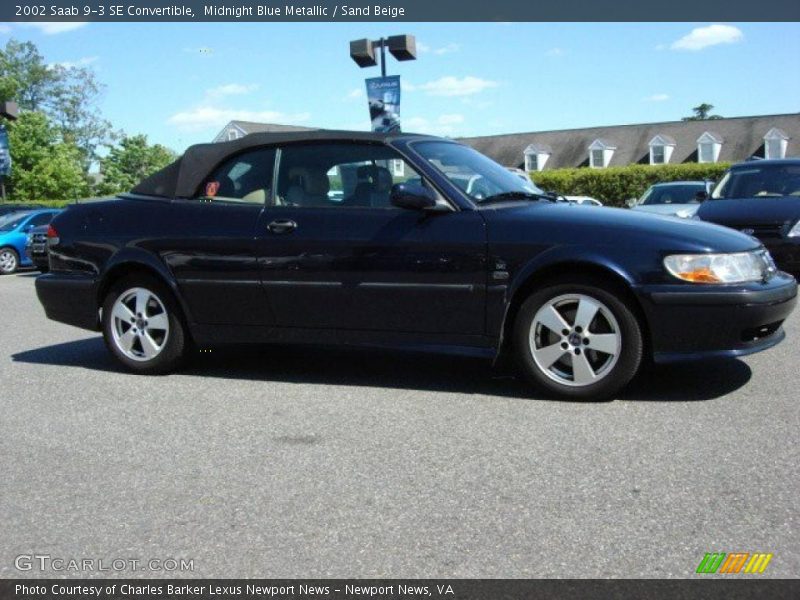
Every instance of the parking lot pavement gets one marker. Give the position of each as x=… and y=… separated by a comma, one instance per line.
x=308, y=463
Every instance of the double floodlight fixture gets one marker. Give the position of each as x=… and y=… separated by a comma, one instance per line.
x=402, y=47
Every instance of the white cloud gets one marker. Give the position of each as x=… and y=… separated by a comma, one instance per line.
x=453, y=86
x=355, y=94
x=5, y=28
x=53, y=27
x=712, y=35
x=554, y=52
x=441, y=125
x=202, y=118
x=230, y=89
x=423, y=48
x=81, y=62
x=657, y=98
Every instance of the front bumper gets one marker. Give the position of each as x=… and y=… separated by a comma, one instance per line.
x=689, y=321
x=69, y=298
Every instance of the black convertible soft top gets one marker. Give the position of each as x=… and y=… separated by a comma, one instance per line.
x=182, y=178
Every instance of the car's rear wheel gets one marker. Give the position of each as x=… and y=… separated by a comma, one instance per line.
x=142, y=326
x=578, y=340
x=9, y=261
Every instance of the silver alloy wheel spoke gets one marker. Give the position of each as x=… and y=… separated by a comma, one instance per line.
x=127, y=339
x=553, y=320
x=549, y=354
x=149, y=347
x=587, y=309
x=604, y=342
x=123, y=313
x=582, y=371
x=142, y=296
x=158, y=322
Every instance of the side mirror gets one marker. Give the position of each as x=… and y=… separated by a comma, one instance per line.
x=701, y=196
x=630, y=202
x=413, y=196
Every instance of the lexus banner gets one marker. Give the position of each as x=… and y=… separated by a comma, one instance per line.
x=383, y=95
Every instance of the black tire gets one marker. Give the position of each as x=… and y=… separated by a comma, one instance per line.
x=561, y=379
x=175, y=343
x=10, y=266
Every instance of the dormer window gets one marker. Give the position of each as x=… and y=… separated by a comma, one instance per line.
x=708, y=147
x=661, y=148
x=775, y=143
x=601, y=153
x=536, y=156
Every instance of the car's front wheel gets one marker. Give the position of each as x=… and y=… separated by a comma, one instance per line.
x=578, y=340
x=9, y=261
x=142, y=326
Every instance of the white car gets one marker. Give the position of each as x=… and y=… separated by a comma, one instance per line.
x=587, y=200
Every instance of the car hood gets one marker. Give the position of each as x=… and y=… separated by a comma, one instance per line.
x=668, y=209
x=562, y=224
x=747, y=211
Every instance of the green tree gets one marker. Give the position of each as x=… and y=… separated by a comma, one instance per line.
x=701, y=113
x=67, y=95
x=44, y=166
x=129, y=161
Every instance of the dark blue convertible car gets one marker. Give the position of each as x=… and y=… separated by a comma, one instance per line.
x=405, y=241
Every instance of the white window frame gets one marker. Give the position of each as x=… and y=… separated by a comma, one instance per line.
x=398, y=167
x=658, y=147
x=607, y=153
x=712, y=144
x=531, y=161
x=775, y=137
x=232, y=134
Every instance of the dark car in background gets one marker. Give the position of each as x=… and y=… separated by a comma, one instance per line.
x=36, y=248
x=240, y=242
x=761, y=198
x=673, y=198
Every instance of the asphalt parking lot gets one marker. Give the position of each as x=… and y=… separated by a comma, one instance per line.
x=295, y=462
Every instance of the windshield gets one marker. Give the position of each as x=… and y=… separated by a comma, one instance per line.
x=759, y=181
x=11, y=222
x=474, y=174
x=672, y=194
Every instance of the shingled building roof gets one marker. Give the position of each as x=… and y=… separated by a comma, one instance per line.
x=741, y=137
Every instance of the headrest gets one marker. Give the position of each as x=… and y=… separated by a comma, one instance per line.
x=314, y=182
x=379, y=177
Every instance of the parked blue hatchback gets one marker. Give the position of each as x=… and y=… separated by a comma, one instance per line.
x=14, y=230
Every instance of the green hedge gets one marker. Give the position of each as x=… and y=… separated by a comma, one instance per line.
x=45, y=203
x=614, y=185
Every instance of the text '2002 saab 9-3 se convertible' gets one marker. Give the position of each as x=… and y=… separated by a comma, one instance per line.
x=374, y=239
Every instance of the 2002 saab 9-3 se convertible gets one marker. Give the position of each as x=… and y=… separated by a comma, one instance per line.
x=406, y=241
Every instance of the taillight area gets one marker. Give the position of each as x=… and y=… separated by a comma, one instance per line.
x=52, y=236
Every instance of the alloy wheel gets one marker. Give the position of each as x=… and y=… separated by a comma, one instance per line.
x=575, y=340
x=8, y=261
x=139, y=324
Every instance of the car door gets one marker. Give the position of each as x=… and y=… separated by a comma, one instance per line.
x=335, y=254
x=211, y=252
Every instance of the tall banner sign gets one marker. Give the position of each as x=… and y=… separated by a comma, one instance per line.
x=5, y=154
x=383, y=95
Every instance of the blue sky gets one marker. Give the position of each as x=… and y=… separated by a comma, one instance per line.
x=179, y=83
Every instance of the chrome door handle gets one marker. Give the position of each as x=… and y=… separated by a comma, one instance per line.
x=282, y=226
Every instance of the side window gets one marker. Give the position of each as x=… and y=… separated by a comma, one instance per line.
x=247, y=177
x=340, y=175
x=42, y=219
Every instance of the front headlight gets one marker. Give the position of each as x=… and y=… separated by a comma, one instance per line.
x=718, y=268
x=29, y=239
x=795, y=231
